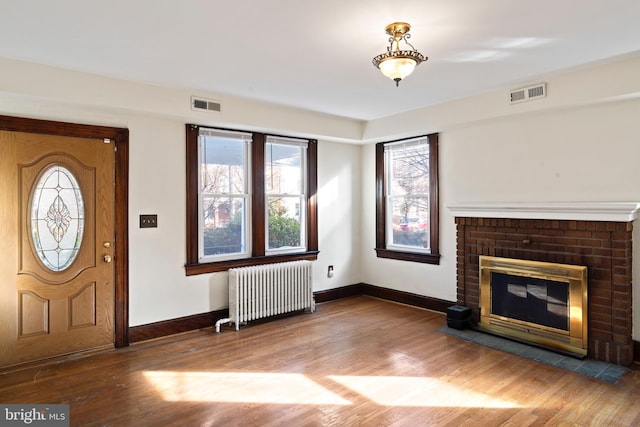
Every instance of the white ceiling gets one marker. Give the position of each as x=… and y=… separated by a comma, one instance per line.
x=316, y=55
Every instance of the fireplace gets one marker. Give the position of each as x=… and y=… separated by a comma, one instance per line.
x=598, y=236
x=536, y=302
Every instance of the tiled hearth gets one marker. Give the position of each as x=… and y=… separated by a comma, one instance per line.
x=596, y=235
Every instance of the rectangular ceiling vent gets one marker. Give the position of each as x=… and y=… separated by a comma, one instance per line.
x=201, y=104
x=528, y=93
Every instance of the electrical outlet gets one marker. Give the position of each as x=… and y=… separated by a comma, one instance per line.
x=330, y=271
x=148, y=221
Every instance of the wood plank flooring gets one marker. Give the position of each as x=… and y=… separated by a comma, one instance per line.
x=354, y=362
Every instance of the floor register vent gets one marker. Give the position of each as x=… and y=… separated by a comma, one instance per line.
x=528, y=93
x=201, y=104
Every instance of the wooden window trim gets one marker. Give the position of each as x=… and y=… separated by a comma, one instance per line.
x=192, y=266
x=381, y=220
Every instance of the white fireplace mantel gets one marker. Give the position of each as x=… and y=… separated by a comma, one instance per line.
x=586, y=211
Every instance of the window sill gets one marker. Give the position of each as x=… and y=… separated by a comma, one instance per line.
x=409, y=256
x=213, y=267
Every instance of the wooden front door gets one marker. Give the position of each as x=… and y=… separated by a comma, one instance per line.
x=56, y=245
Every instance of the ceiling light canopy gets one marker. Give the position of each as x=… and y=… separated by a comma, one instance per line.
x=397, y=63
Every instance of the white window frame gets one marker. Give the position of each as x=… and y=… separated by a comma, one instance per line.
x=302, y=197
x=246, y=196
x=388, y=170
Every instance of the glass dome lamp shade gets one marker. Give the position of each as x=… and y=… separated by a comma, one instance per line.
x=397, y=67
x=396, y=63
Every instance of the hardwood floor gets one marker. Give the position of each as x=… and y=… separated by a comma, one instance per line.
x=354, y=362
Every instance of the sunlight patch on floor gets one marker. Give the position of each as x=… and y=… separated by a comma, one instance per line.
x=418, y=391
x=279, y=388
x=252, y=387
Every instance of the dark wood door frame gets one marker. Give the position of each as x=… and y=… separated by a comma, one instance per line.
x=120, y=137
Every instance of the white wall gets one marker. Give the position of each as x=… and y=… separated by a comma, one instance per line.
x=575, y=145
x=339, y=213
x=159, y=289
x=437, y=281
x=578, y=144
x=156, y=117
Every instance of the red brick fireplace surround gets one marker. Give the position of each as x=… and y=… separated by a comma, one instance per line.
x=596, y=235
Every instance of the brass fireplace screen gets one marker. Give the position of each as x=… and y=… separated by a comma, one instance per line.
x=537, y=302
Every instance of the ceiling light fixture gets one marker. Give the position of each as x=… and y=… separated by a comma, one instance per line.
x=398, y=63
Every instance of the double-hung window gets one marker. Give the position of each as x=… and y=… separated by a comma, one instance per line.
x=286, y=194
x=224, y=203
x=251, y=199
x=407, y=199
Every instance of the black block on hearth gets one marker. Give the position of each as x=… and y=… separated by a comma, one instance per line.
x=458, y=317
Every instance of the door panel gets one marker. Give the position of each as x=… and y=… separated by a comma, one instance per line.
x=56, y=289
x=82, y=307
x=33, y=315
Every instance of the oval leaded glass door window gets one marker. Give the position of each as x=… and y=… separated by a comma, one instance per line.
x=57, y=217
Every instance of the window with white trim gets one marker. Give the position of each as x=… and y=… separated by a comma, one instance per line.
x=285, y=190
x=224, y=198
